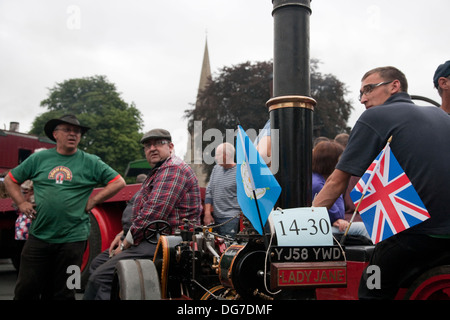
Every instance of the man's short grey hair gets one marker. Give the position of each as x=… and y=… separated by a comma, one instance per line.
x=228, y=148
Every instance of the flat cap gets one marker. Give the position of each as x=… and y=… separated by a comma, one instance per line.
x=442, y=71
x=156, y=134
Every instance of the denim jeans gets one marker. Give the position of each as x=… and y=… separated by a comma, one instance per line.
x=356, y=229
x=228, y=229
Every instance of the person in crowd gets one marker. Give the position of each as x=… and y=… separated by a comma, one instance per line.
x=170, y=192
x=3, y=192
x=63, y=179
x=325, y=156
x=319, y=139
x=418, y=134
x=342, y=139
x=263, y=144
x=221, y=205
x=22, y=224
x=441, y=81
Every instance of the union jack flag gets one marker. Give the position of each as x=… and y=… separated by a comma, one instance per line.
x=389, y=202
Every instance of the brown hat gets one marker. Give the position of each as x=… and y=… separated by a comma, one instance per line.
x=68, y=119
x=156, y=134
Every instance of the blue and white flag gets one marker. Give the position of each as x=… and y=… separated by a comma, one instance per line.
x=254, y=179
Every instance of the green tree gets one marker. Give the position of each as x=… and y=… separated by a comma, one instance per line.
x=115, y=125
x=238, y=94
x=332, y=110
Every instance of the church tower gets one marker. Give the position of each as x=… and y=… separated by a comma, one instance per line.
x=205, y=74
x=194, y=154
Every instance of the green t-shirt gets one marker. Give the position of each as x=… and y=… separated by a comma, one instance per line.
x=62, y=185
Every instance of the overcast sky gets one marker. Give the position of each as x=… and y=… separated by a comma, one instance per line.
x=152, y=50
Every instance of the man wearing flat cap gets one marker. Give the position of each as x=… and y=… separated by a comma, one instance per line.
x=63, y=180
x=170, y=193
x=441, y=80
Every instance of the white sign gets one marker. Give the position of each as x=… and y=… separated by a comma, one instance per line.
x=302, y=227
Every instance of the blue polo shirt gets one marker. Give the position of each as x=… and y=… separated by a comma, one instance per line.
x=421, y=136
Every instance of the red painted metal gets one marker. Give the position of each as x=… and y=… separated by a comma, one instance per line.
x=354, y=272
x=15, y=147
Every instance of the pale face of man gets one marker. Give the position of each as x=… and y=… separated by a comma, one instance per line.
x=157, y=150
x=67, y=137
x=221, y=157
x=375, y=90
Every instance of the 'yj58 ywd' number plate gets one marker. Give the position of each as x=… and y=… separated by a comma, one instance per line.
x=305, y=255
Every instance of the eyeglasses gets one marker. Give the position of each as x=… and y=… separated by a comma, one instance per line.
x=67, y=130
x=157, y=143
x=368, y=88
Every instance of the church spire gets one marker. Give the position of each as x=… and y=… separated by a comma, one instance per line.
x=194, y=153
x=206, y=69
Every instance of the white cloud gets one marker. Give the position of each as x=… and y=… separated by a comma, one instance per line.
x=153, y=50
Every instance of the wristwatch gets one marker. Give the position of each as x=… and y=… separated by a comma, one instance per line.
x=122, y=247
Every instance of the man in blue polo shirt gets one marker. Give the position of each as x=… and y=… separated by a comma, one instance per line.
x=419, y=134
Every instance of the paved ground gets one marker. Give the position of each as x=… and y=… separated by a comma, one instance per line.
x=8, y=276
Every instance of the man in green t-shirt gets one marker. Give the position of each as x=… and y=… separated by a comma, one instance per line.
x=63, y=179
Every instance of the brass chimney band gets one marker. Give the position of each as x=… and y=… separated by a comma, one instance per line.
x=291, y=102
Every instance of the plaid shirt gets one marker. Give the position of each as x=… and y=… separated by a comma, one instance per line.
x=170, y=192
